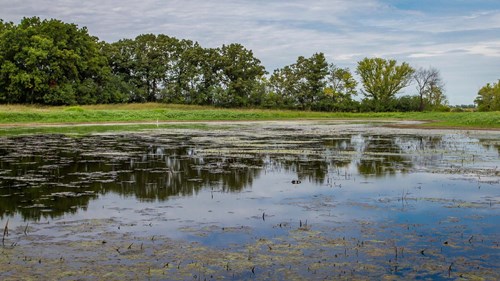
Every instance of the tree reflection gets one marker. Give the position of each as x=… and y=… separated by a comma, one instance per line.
x=48, y=176
x=381, y=156
x=52, y=175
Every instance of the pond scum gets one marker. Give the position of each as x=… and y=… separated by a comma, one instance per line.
x=50, y=244
x=306, y=253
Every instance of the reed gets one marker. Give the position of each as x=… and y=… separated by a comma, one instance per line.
x=5, y=232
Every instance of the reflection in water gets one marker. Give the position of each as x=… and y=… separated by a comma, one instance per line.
x=386, y=157
x=50, y=175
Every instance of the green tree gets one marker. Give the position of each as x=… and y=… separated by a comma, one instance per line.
x=50, y=62
x=340, y=89
x=301, y=85
x=383, y=79
x=206, y=82
x=283, y=87
x=488, y=98
x=143, y=62
x=181, y=70
x=312, y=73
x=436, y=98
x=239, y=74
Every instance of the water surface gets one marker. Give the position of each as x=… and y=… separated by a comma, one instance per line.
x=359, y=196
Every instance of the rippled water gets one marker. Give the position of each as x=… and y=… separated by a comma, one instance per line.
x=228, y=186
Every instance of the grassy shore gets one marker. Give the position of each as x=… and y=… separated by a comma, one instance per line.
x=152, y=112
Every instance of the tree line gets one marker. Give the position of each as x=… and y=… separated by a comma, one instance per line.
x=56, y=63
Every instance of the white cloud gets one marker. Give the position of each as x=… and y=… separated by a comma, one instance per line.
x=488, y=49
x=278, y=31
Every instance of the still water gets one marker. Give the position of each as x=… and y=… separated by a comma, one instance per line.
x=434, y=193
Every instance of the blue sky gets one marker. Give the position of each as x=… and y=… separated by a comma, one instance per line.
x=461, y=38
x=444, y=6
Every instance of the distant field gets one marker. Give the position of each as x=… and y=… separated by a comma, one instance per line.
x=152, y=112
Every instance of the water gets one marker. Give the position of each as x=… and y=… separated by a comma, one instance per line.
x=227, y=187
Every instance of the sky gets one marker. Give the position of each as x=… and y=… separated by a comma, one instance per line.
x=460, y=38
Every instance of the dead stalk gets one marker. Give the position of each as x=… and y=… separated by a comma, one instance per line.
x=5, y=232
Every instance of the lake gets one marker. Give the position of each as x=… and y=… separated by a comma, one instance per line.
x=320, y=200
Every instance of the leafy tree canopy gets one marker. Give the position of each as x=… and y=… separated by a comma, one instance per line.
x=50, y=62
x=488, y=98
x=383, y=79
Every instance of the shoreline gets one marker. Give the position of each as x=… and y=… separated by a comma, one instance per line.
x=391, y=123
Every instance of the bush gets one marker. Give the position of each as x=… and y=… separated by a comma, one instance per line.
x=457, y=109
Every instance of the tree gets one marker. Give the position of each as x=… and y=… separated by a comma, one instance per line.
x=283, y=87
x=239, y=74
x=143, y=62
x=312, y=73
x=193, y=79
x=383, y=79
x=50, y=62
x=488, y=98
x=301, y=85
x=340, y=89
x=429, y=86
x=181, y=71
x=159, y=67
x=436, y=99
x=206, y=80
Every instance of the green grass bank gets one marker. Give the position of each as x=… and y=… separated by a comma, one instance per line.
x=20, y=115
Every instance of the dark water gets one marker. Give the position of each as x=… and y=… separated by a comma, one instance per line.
x=230, y=186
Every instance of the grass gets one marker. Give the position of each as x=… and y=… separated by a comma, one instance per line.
x=151, y=112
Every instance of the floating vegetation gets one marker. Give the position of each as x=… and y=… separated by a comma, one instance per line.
x=299, y=255
x=68, y=194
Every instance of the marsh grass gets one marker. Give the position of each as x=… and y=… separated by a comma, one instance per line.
x=152, y=112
